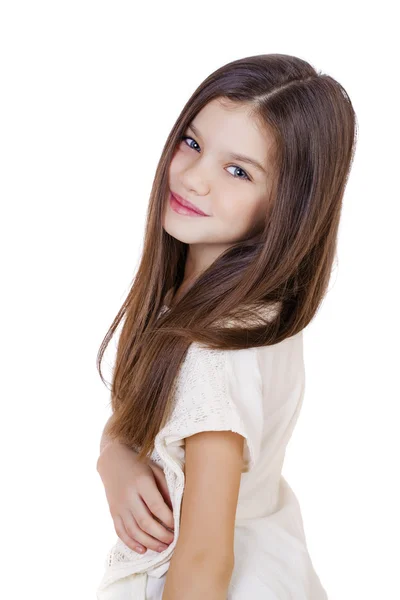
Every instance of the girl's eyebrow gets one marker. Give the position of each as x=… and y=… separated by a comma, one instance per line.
x=234, y=155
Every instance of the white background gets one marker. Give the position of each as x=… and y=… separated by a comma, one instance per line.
x=89, y=93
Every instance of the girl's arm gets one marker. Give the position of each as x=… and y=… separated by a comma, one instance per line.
x=203, y=559
x=131, y=487
x=105, y=439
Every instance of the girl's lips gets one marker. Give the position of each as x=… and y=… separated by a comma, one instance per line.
x=183, y=210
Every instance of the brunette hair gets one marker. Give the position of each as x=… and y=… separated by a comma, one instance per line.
x=262, y=289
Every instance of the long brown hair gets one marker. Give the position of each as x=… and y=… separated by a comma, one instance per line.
x=286, y=265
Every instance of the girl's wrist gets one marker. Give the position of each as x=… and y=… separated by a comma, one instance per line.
x=112, y=446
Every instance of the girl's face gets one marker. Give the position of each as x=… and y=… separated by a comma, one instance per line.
x=233, y=192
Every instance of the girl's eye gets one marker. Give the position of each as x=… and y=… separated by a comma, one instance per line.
x=246, y=177
x=240, y=169
x=185, y=137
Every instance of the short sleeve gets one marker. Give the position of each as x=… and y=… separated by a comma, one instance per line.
x=215, y=390
x=218, y=390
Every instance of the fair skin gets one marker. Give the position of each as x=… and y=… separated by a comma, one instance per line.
x=203, y=172
x=235, y=196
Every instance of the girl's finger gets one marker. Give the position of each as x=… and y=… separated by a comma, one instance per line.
x=124, y=536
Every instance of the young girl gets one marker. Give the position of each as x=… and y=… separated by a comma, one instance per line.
x=209, y=376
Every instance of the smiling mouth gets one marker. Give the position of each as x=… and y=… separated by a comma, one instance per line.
x=178, y=207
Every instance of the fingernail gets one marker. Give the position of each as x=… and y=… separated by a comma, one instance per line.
x=140, y=549
x=162, y=548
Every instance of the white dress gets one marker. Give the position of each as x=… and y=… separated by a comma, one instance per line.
x=257, y=392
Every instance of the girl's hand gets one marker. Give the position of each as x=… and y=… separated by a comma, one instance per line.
x=138, y=498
